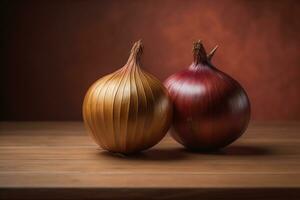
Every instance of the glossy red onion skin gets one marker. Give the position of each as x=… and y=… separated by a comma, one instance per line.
x=211, y=110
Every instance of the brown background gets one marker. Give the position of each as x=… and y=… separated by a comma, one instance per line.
x=55, y=49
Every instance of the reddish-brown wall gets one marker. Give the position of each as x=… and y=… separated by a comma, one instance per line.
x=55, y=49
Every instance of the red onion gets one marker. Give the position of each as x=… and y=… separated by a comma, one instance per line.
x=211, y=110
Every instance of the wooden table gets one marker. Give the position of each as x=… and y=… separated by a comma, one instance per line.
x=57, y=160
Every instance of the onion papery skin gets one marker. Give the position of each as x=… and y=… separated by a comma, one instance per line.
x=211, y=110
x=129, y=110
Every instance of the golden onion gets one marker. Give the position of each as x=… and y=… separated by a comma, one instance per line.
x=129, y=110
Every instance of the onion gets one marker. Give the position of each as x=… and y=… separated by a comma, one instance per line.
x=129, y=110
x=211, y=109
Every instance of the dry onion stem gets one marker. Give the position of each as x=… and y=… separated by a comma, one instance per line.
x=129, y=110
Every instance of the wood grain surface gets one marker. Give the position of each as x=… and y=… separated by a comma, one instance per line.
x=57, y=160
